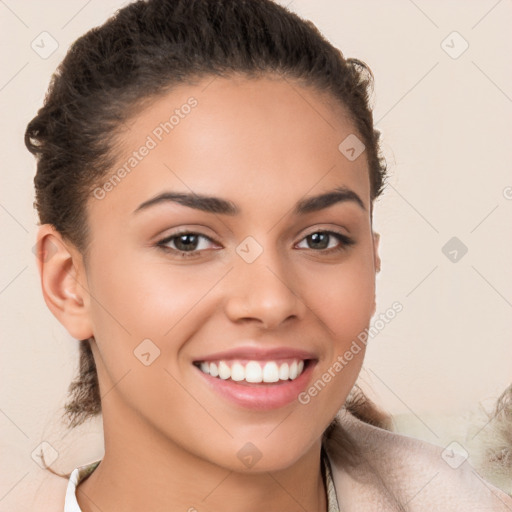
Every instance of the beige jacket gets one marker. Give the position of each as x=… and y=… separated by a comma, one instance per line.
x=410, y=475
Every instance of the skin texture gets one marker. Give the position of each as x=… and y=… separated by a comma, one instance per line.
x=171, y=443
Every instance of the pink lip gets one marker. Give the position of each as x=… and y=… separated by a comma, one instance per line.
x=261, y=396
x=258, y=354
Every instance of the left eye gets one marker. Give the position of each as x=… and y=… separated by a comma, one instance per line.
x=321, y=240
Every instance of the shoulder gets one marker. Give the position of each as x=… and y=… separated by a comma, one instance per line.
x=404, y=473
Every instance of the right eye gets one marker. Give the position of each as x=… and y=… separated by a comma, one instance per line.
x=186, y=244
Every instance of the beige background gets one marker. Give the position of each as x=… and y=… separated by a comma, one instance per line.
x=447, y=128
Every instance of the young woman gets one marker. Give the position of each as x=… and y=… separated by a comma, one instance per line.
x=206, y=177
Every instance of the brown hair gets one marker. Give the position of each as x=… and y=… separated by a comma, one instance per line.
x=143, y=51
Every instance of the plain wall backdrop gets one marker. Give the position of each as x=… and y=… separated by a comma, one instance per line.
x=443, y=101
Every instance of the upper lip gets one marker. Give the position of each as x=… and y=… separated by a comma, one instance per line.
x=258, y=354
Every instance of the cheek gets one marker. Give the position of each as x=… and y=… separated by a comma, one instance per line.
x=343, y=300
x=145, y=299
x=141, y=318
x=343, y=296
x=147, y=307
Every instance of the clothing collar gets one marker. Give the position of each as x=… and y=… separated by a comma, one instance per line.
x=77, y=475
x=332, y=499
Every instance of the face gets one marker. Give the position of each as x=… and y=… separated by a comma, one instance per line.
x=262, y=282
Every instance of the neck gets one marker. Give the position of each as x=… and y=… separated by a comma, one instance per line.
x=143, y=470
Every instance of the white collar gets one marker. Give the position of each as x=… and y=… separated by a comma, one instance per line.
x=77, y=475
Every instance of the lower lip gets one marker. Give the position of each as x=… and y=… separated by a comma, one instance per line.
x=262, y=396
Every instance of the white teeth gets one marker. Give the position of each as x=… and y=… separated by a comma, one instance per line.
x=293, y=370
x=213, y=370
x=253, y=371
x=224, y=370
x=237, y=372
x=284, y=371
x=270, y=372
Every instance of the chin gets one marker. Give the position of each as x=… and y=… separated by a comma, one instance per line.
x=264, y=454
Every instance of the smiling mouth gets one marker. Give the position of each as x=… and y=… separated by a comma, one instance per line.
x=253, y=371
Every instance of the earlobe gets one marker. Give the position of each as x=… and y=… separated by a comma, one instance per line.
x=62, y=281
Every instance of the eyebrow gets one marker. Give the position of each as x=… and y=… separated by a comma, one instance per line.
x=218, y=205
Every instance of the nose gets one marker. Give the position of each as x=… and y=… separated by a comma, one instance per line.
x=263, y=292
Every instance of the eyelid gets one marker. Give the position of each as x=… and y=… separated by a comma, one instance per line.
x=182, y=229
x=327, y=229
x=344, y=240
x=338, y=230
x=177, y=234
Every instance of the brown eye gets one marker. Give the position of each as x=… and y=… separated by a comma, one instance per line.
x=322, y=241
x=319, y=240
x=185, y=243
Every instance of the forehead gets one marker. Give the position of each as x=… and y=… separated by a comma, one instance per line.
x=236, y=137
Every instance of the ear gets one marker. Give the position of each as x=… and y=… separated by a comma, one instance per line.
x=62, y=275
x=376, y=257
x=376, y=263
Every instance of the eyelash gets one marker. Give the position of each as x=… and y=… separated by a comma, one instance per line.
x=344, y=239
